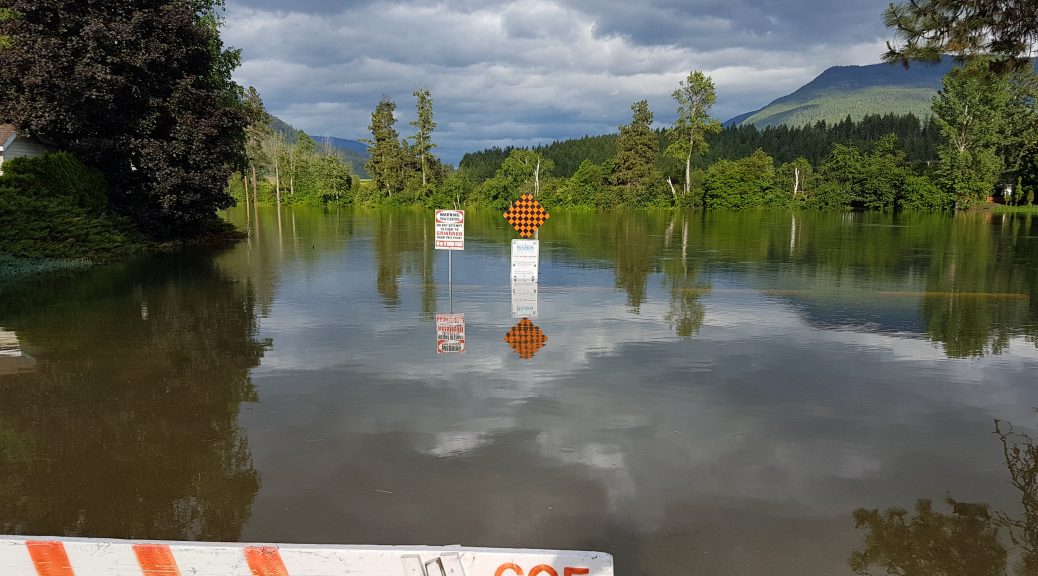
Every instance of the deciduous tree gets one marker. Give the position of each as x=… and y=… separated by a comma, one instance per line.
x=695, y=95
x=142, y=91
x=971, y=112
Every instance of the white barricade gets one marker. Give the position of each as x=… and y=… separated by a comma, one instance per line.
x=32, y=556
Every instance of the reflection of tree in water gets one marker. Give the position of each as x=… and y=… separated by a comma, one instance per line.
x=928, y=543
x=686, y=313
x=1021, y=457
x=966, y=542
x=982, y=285
x=128, y=426
x=403, y=246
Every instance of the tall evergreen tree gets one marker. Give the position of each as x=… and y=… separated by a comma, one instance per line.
x=385, y=160
x=634, y=167
x=141, y=91
x=424, y=125
x=695, y=95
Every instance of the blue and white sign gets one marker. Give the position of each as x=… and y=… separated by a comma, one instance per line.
x=525, y=259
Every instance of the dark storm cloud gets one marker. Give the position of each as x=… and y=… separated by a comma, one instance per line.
x=527, y=72
x=776, y=24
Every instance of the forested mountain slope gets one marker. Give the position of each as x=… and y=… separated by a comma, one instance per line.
x=857, y=91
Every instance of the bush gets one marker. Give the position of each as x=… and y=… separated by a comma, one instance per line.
x=919, y=193
x=41, y=226
x=53, y=206
x=57, y=175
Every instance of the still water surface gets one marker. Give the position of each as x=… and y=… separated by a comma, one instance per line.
x=713, y=393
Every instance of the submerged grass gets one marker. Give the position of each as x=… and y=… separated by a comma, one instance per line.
x=12, y=268
x=1025, y=209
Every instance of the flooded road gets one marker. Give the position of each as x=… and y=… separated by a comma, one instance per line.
x=694, y=393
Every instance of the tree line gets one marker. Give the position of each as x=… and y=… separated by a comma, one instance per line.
x=982, y=140
x=282, y=167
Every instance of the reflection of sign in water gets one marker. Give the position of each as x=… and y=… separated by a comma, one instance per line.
x=29, y=556
x=526, y=339
x=525, y=259
x=526, y=215
x=450, y=229
x=450, y=333
x=524, y=299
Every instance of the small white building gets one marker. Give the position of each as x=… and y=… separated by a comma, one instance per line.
x=14, y=145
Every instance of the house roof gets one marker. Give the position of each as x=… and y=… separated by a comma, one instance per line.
x=6, y=130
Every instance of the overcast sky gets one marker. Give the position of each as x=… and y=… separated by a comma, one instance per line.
x=532, y=71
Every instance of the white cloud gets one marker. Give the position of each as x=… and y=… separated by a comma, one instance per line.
x=526, y=72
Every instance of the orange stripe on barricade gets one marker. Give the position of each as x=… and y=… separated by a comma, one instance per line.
x=156, y=560
x=265, y=561
x=49, y=558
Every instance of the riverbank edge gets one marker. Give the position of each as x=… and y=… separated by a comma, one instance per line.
x=222, y=234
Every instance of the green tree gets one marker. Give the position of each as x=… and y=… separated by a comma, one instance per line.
x=695, y=95
x=522, y=172
x=587, y=186
x=385, y=157
x=634, y=168
x=142, y=92
x=971, y=112
x=424, y=125
x=257, y=131
x=927, y=29
x=743, y=183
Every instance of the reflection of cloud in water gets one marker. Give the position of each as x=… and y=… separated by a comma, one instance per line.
x=764, y=427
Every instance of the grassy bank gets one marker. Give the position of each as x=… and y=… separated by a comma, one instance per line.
x=1024, y=209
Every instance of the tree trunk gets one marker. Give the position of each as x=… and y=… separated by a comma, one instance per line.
x=245, y=188
x=277, y=180
x=291, y=171
x=796, y=181
x=673, y=192
x=255, y=192
x=537, y=179
x=688, y=171
x=423, y=170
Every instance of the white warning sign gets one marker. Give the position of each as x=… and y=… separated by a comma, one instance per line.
x=450, y=229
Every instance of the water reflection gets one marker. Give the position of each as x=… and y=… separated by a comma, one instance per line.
x=970, y=540
x=526, y=339
x=128, y=427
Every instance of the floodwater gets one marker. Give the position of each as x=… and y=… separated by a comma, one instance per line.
x=694, y=393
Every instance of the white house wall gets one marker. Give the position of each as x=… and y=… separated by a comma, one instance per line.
x=24, y=147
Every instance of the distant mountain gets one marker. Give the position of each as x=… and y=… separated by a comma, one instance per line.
x=856, y=91
x=344, y=144
x=353, y=152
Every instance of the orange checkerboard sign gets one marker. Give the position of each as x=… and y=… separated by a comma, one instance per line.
x=526, y=215
x=526, y=339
